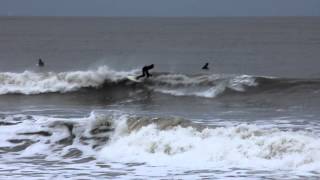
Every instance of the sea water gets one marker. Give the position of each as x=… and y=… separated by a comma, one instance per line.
x=254, y=114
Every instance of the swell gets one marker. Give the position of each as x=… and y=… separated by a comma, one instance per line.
x=286, y=83
x=104, y=78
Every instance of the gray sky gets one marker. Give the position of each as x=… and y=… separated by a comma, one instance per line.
x=161, y=7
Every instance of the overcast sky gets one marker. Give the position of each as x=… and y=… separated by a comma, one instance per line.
x=161, y=7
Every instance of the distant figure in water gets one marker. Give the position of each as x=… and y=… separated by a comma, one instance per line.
x=145, y=71
x=40, y=63
x=206, y=67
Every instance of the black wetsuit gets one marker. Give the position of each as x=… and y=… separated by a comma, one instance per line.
x=40, y=63
x=206, y=66
x=145, y=71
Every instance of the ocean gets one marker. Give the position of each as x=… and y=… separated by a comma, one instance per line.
x=253, y=115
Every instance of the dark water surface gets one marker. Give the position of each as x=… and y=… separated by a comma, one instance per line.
x=279, y=46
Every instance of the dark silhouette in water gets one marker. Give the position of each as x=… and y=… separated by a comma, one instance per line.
x=206, y=67
x=40, y=63
x=145, y=71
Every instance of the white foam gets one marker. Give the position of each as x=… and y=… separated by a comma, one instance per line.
x=181, y=79
x=30, y=82
x=201, y=86
x=177, y=149
x=207, y=93
x=242, y=146
x=245, y=146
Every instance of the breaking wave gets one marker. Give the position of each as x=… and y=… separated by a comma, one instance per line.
x=182, y=144
x=169, y=141
x=30, y=82
x=208, y=86
x=202, y=85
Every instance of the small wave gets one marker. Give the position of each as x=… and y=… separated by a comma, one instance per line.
x=208, y=86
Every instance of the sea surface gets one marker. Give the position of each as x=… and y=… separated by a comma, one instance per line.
x=253, y=115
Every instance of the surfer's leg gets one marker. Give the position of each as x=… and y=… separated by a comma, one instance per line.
x=143, y=74
x=138, y=77
x=148, y=75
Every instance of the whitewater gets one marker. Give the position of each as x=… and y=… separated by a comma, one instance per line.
x=203, y=85
x=128, y=142
x=162, y=145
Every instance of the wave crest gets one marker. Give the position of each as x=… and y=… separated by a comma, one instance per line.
x=202, y=85
x=208, y=86
x=30, y=82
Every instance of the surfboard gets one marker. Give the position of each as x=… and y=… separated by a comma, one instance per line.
x=134, y=79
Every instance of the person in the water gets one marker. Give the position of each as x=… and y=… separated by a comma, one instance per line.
x=145, y=71
x=206, y=67
x=40, y=63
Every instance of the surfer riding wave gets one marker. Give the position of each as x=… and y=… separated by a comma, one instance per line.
x=145, y=71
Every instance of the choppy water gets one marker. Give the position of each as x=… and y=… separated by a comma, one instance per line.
x=254, y=114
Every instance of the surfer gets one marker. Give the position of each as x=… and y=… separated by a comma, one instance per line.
x=206, y=67
x=145, y=71
x=40, y=63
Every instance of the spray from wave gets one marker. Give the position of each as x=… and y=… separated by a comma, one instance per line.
x=30, y=82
